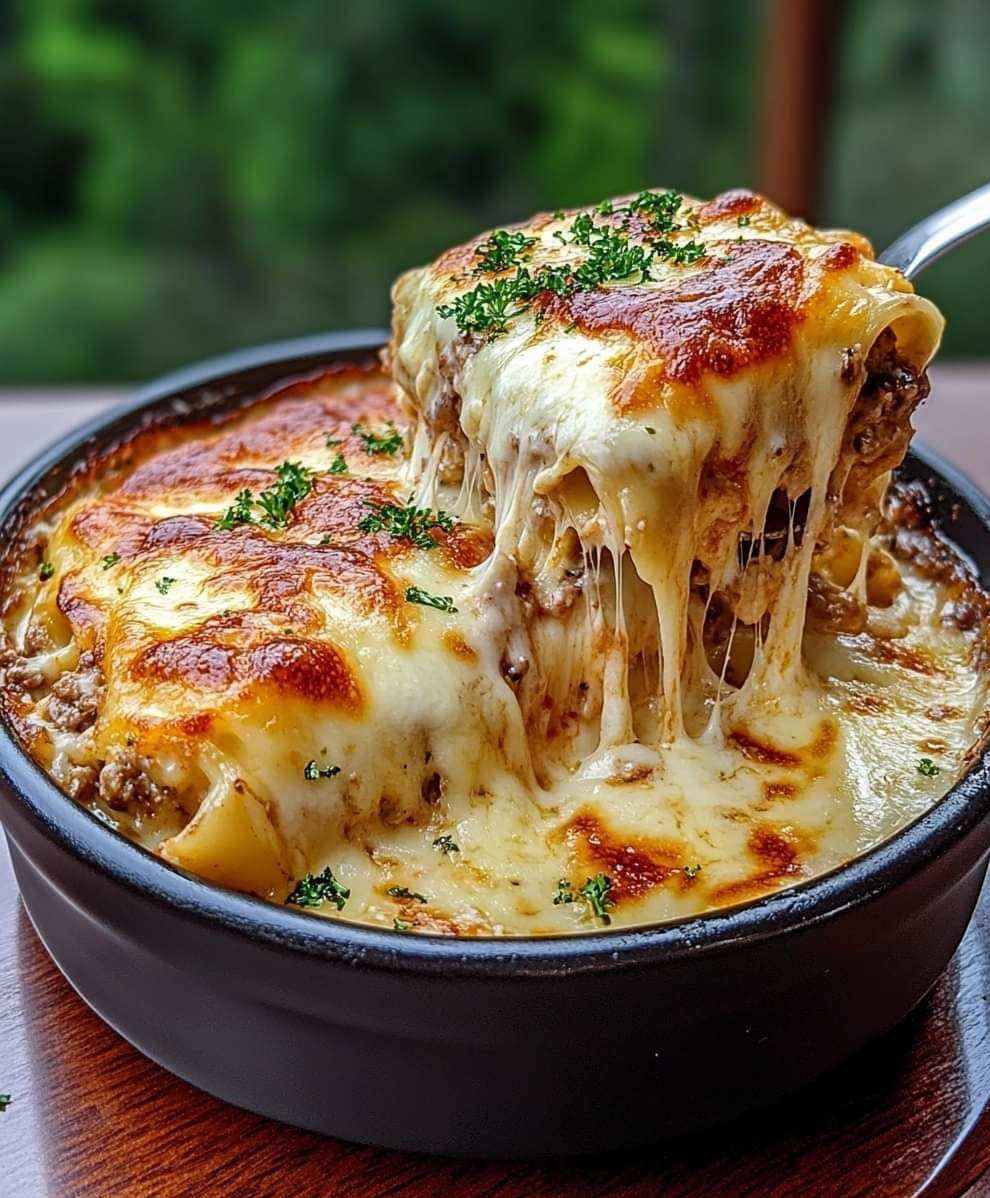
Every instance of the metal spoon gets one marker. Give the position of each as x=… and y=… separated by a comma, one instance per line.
x=934, y=236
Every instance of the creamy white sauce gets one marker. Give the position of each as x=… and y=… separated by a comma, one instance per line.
x=568, y=722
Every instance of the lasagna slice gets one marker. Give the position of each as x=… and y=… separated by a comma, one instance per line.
x=669, y=406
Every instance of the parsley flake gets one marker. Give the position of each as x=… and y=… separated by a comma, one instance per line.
x=378, y=443
x=597, y=892
x=659, y=208
x=294, y=483
x=682, y=255
x=238, y=513
x=405, y=893
x=742, y=222
x=612, y=258
x=314, y=771
x=164, y=585
x=110, y=560
x=405, y=523
x=46, y=571
x=445, y=845
x=400, y=925
x=487, y=308
x=338, y=465
x=501, y=251
x=691, y=872
x=928, y=767
x=316, y=889
x=5, y=1101
x=440, y=602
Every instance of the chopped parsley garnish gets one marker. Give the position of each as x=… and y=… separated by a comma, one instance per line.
x=445, y=845
x=691, y=871
x=596, y=892
x=684, y=254
x=238, y=513
x=110, y=560
x=742, y=222
x=164, y=585
x=611, y=258
x=400, y=925
x=376, y=443
x=650, y=429
x=928, y=767
x=314, y=771
x=501, y=251
x=46, y=571
x=659, y=208
x=294, y=483
x=489, y=307
x=405, y=893
x=440, y=602
x=405, y=523
x=5, y=1101
x=316, y=889
x=338, y=465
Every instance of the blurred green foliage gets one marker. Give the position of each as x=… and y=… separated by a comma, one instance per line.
x=911, y=132
x=178, y=177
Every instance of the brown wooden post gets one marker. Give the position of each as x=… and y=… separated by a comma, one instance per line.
x=798, y=71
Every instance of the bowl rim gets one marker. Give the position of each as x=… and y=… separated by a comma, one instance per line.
x=86, y=837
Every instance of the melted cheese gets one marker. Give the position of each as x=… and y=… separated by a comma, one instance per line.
x=656, y=421
x=626, y=687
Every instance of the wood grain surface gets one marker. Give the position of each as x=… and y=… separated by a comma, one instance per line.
x=90, y=1118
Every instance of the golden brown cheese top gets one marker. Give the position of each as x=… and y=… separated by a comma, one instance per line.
x=277, y=705
x=519, y=644
x=724, y=287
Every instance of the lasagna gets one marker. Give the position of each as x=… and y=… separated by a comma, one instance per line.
x=593, y=605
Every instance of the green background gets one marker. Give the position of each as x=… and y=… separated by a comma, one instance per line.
x=178, y=178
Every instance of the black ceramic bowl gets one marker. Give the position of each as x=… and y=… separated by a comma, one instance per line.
x=483, y=1047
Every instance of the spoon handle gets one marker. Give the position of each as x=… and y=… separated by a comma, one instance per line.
x=938, y=233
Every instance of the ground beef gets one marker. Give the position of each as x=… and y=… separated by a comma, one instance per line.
x=37, y=640
x=18, y=672
x=78, y=780
x=878, y=430
x=832, y=608
x=76, y=697
x=910, y=524
x=126, y=785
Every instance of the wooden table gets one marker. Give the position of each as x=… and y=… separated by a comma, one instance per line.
x=91, y=1118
